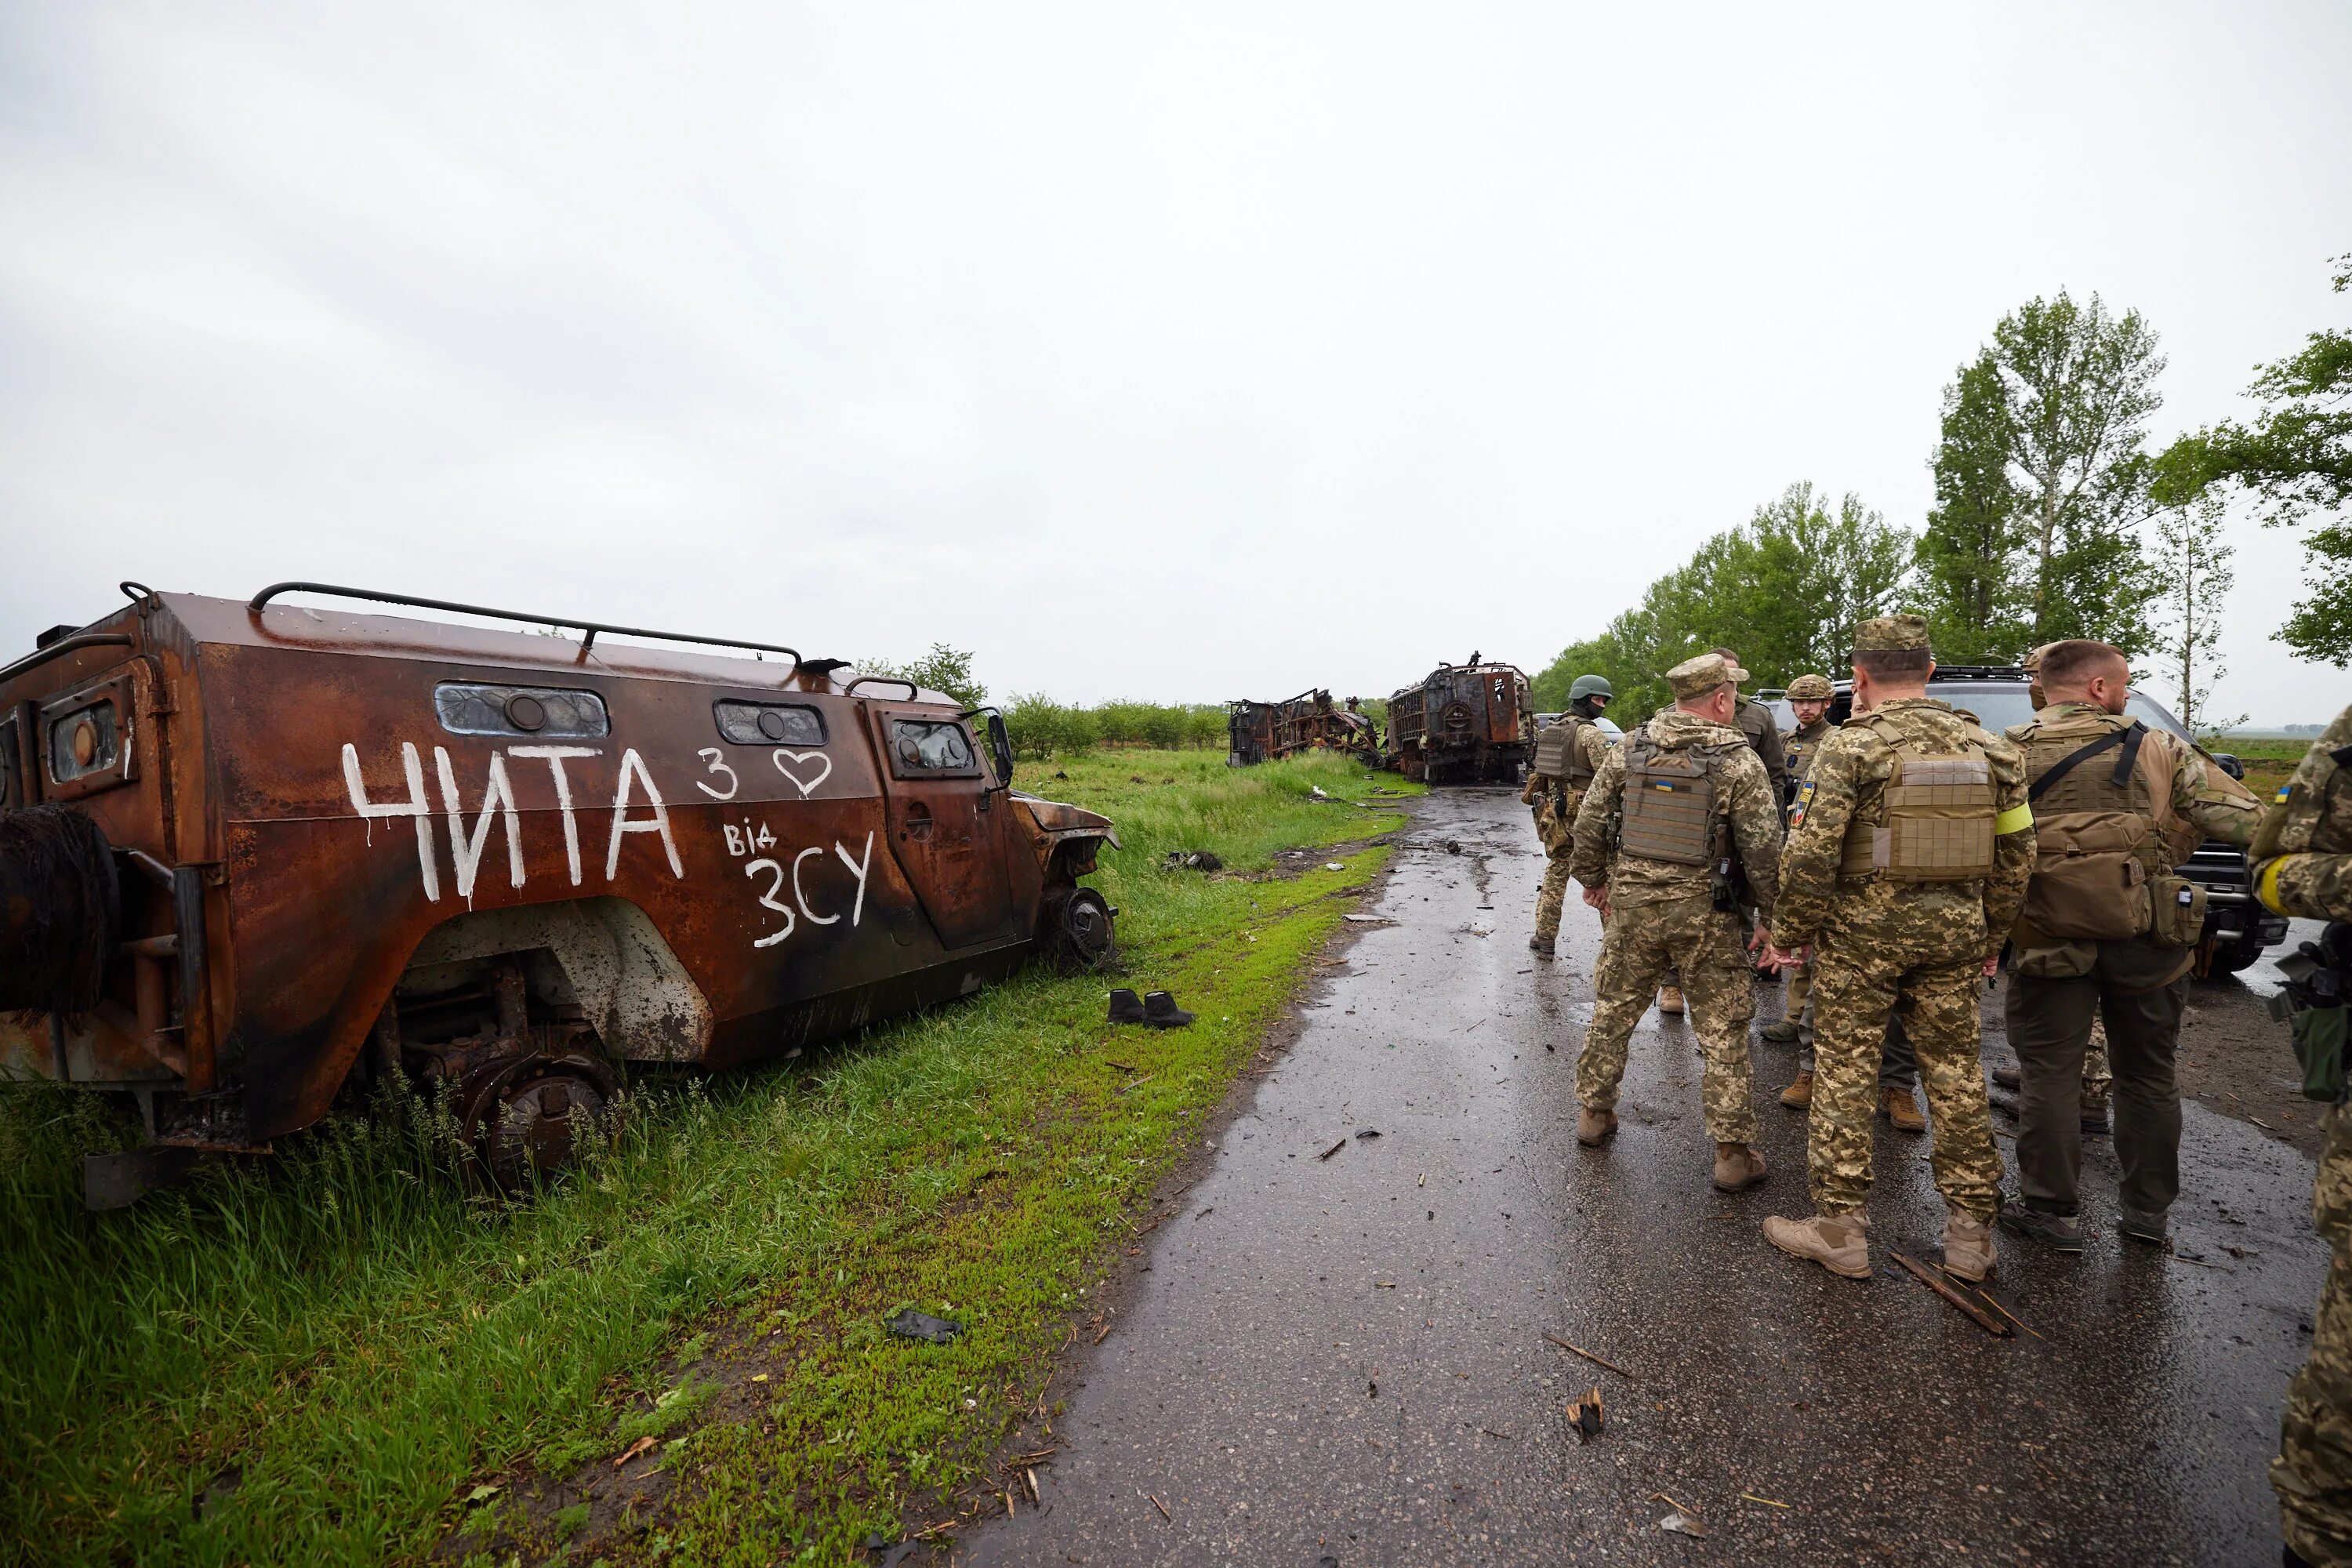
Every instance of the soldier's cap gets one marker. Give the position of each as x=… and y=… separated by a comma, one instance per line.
x=2032, y=663
x=1698, y=677
x=1811, y=688
x=1591, y=686
x=1890, y=633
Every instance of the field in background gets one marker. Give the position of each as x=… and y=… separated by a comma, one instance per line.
x=342, y=1357
x=2269, y=764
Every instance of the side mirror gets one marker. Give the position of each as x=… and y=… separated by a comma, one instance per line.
x=1000, y=745
x=2230, y=765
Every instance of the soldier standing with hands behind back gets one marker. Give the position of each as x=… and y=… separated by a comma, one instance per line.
x=1678, y=817
x=2303, y=865
x=1905, y=869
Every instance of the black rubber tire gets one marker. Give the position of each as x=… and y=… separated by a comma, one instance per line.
x=1080, y=931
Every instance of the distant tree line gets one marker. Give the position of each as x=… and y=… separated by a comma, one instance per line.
x=2051, y=520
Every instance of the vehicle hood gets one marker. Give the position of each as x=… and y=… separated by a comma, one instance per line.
x=1055, y=817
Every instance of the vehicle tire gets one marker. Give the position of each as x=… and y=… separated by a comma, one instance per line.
x=1079, y=932
x=524, y=1116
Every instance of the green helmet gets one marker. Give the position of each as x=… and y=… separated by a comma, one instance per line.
x=1591, y=686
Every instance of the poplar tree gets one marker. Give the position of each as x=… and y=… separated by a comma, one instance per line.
x=2192, y=557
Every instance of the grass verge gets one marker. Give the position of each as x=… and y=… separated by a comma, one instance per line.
x=342, y=1356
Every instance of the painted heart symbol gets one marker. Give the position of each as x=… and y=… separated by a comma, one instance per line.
x=806, y=786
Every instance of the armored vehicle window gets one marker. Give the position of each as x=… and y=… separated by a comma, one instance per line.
x=470, y=710
x=933, y=747
x=87, y=741
x=769, y=724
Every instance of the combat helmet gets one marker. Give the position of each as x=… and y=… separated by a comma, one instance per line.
x=1591, y=686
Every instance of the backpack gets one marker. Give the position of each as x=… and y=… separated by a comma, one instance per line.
x=2103, y=820
x=1935, y=817
x=1557, y=756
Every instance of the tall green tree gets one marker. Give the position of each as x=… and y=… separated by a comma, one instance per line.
x=2042, y=483
x=2190, y=552
x=1971, y=554
x=2296, y=458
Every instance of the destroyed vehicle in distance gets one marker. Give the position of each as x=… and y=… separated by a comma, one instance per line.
x=1259, y=732
x=2238, y=929
x=1465, y=723
x=254, y=854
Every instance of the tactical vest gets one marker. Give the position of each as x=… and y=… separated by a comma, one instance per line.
x=1668, y=806
x=1558, y=755
x=1934, y=821
x=2102, y=816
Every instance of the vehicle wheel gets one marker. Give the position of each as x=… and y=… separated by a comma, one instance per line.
x=2240, y=954
x=1079, y=930
x=523, y=1116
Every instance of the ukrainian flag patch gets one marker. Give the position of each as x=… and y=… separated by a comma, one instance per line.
x=2284, y=791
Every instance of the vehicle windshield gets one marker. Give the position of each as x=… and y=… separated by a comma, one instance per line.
x=1999, y=707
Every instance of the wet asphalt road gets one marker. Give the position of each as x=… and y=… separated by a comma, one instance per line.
x=1345, y=1359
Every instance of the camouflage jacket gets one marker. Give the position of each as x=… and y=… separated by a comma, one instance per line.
x=1746, y=800
x=1800, y=746
x=1929, y=922
x=2302, y=851
x=1763, y=732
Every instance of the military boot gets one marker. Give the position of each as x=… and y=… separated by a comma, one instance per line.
x=1542, y=946
x=1902, y=1109
x=1738, y=1166
x=1670, y=1000
x=1838, y=1243
x=1799, y=1095
x=1594, y=1127
x=1968, y=1252
x=1780, y=1031
x=2062, y=1232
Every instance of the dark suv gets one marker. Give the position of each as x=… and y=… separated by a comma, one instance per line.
x=2237, y=929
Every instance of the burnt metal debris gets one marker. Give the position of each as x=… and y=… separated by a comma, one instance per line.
x=328, y=847
x=1261, y=732
x=1465, y=723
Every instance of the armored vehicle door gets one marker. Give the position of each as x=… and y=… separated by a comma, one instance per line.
x=946, y=825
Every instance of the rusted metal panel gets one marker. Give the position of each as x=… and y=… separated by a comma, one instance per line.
x=1308, y=722
x=1463, y=723
x=325, y=791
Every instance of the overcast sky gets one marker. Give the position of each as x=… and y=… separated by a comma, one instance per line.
x=1176, y=353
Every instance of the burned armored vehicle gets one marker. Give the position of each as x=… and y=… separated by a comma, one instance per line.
x=251, y=854
x=1258, y=731
x=1465, y=723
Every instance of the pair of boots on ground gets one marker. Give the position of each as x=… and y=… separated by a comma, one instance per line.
x=1838, y=1243
x=1155, y=1009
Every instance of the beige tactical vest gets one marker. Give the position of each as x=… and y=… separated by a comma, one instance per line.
x=2102, y=822
x=1668, y=805
x=1557, y=756
x=1934, y=821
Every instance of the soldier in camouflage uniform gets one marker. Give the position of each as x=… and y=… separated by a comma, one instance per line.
x=1678, y=815
x=1905, y=869
x=1555, y=799
x=2303, y=865
x=1809, y=697
x=2108, y=928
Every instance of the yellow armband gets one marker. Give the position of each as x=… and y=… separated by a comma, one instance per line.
x=2016, y=819
x=2266, y=889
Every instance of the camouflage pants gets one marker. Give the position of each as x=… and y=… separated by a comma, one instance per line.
x=1554, y=894
x=1857, y=987
x=2313, y=1473
x=1708, y=945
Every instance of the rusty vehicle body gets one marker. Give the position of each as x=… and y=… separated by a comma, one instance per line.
x=1258, y=731
x=1465, y=723
x=348, y=845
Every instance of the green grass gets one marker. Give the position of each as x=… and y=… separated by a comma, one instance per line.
x=342, y=1356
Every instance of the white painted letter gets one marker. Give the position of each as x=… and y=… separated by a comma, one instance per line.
x=857, y=868
x=417, y=807
x=718, y=761
x=633, y=766
x=466, y=849
x=768, y=901
x=801, y=894
x=553, y=757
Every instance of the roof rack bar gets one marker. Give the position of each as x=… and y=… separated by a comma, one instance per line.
x=64, y=645
x=261, y=602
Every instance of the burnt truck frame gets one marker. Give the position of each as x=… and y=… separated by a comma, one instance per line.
x=1261, y=732
x=352, y=845
x=1465, y=723
x=2238, y=929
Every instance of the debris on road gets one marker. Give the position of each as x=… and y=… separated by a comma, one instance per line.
x=642, y=1446
x=1681, y=1524
x=914, y=1325
x=1935, y=1282
x=1369, y=919
x=1584, y=1415
x=1367, y=1132
x=1579, y=1350
x=1768, y=1502
x=1163, y=1508
x=1334, y=1149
